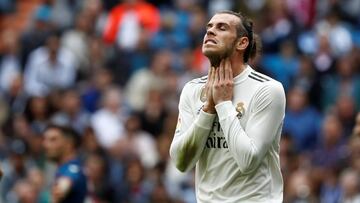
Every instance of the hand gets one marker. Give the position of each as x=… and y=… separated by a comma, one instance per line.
x=209, y=106
x=224, y=83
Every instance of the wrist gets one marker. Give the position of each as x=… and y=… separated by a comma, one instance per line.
x=209, y=109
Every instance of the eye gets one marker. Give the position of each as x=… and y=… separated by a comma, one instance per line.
x=222, y=27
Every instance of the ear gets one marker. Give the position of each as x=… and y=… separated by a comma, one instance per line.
x=242, y=43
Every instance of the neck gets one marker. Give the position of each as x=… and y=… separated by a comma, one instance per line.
x=67, y=157
x=237, y=65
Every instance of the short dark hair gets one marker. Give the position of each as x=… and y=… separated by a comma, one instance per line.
x=67, y=132
x=245, y=28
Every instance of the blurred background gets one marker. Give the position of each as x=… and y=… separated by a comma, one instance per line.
x=114, y=69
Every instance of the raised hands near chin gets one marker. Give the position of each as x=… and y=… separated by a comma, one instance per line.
x=209, y=105
x=223, y=84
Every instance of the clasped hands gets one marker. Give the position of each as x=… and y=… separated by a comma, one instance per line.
x=219, y=86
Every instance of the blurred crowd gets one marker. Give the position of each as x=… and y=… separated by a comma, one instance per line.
x=114, y=70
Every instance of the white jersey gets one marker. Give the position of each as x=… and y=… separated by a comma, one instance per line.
x=236, y=151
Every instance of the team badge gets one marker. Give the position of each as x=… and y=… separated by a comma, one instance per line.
x=240, y=109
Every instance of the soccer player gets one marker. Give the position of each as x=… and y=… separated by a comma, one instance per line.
x=60, y=144
x=230, y=122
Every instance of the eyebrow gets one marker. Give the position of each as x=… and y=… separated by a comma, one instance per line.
x=219, y=24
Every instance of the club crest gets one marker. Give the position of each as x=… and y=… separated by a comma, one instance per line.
x=240, y=109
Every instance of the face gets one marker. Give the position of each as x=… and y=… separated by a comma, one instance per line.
x=220, y=37
x=54, y=144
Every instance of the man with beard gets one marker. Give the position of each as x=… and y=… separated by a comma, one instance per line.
x=60, y=144
x=230, y=122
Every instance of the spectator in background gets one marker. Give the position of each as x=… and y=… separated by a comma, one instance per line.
x=10, y=66
x=101, y=80
x=336, y=32
x=300, y=113
x=278, y=27
x=139, y=85
x=15, y=168
x=307, y=79
x=49, y=68
x=153, y=116
x=98, y=180
x=332, y=151
x=134, y=187
x=61, y=144
x=37, y=112
x=108, y=121
x=127, y=20
x=37, y=33
x=71, y=112
x=139, y=143
x=345, y=82
x=25, y=192
x=349, y=180
x=173, y=33
x=77, y=41
x=283, y=66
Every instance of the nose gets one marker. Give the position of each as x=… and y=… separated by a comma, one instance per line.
x=210, y=31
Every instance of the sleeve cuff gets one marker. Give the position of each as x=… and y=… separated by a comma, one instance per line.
x=225, y=109
x=205, y=120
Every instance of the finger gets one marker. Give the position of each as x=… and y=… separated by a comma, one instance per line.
x=216, y=76
x=222, y=71
x=228, y=72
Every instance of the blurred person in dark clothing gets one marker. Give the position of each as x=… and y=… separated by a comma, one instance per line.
x=154, y=114
x=300, y=113
x=96, y=169
x=15, y=167
x=344, y=82
x=101, y=79
x=346, y=111
x=71, y=112
x=61, y=144
x=35, y=36
x=134, y=188
x=37, y=112
x=332, y=150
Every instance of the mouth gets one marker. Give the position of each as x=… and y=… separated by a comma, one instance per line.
x=210, y=41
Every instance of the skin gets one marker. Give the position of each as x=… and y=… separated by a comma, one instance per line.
x=225, y=50
x=59, y=149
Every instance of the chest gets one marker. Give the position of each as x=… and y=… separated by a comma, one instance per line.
x=243, y=99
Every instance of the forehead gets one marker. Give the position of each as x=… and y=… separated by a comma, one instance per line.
x=52, y=133
x=224, y=18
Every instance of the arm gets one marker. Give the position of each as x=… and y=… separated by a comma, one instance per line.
x=249, y=146
x=61, y=188
x=191, y=133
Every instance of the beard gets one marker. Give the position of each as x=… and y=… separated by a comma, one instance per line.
x=216, y=57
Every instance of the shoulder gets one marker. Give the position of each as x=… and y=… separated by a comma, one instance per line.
x=268, y=88
x=72, y=170
x=259, y=77
x=200, y=80
x=195, y=84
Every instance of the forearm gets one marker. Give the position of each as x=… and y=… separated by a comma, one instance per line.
x=247, y=147
x=189, y=143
